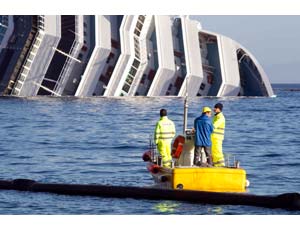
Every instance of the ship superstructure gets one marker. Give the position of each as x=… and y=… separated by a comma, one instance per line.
x=130, y=55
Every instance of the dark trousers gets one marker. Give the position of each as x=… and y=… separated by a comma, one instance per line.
x=198, y=155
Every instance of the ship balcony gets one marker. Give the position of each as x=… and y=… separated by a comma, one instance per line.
x=28, y=62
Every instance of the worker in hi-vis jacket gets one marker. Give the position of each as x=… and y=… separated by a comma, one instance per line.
x=217, y=136
x=164, y=133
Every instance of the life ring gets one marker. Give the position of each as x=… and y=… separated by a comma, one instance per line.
x=178, y=146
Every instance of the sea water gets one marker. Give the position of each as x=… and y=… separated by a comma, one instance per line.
x=101, y=140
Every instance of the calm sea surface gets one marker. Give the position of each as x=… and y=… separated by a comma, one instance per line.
x=101, y=140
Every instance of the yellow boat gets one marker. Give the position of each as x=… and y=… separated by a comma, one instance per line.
x=214, y=179
x=184, y=175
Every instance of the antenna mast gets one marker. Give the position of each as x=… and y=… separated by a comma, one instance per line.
x=185, y=113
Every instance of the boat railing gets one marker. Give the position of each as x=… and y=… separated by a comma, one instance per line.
x=152, y=148
x=230, y=161
x=66, y=70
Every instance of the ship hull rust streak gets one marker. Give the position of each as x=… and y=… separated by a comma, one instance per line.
x=290, y=201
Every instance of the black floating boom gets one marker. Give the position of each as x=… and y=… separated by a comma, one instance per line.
x=290, y=201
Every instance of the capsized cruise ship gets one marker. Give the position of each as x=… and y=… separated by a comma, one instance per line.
x=123, y=55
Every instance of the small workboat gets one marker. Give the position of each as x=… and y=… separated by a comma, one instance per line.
x=184, y=175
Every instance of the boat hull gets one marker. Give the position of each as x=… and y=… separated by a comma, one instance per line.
x=213, y=179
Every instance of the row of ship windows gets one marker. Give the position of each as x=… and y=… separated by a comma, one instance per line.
x=126, y=87
x=139, y=25
x=136, y=42
x=137, y=32
x=26, y=67
x=137, y=53
x=136, y=47
x=142, y=18
x=131, y=75
x=129, y=80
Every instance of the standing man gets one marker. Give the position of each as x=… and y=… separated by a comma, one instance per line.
x=217, y=136
x=203, y=130
x=164, y=133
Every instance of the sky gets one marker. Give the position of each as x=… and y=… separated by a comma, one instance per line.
x=273, y=40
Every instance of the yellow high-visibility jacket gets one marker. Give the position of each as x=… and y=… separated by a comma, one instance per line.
x=164, y=130
x=219, y=127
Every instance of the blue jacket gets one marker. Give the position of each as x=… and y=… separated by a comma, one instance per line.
x=203, y=129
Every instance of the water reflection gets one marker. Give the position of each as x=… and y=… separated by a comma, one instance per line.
x=166, y=207
x=216, y=210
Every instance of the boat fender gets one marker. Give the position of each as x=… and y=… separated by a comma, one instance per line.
x=247, y=183
x=147, y=156
x=178, y=146
x=153, y=168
